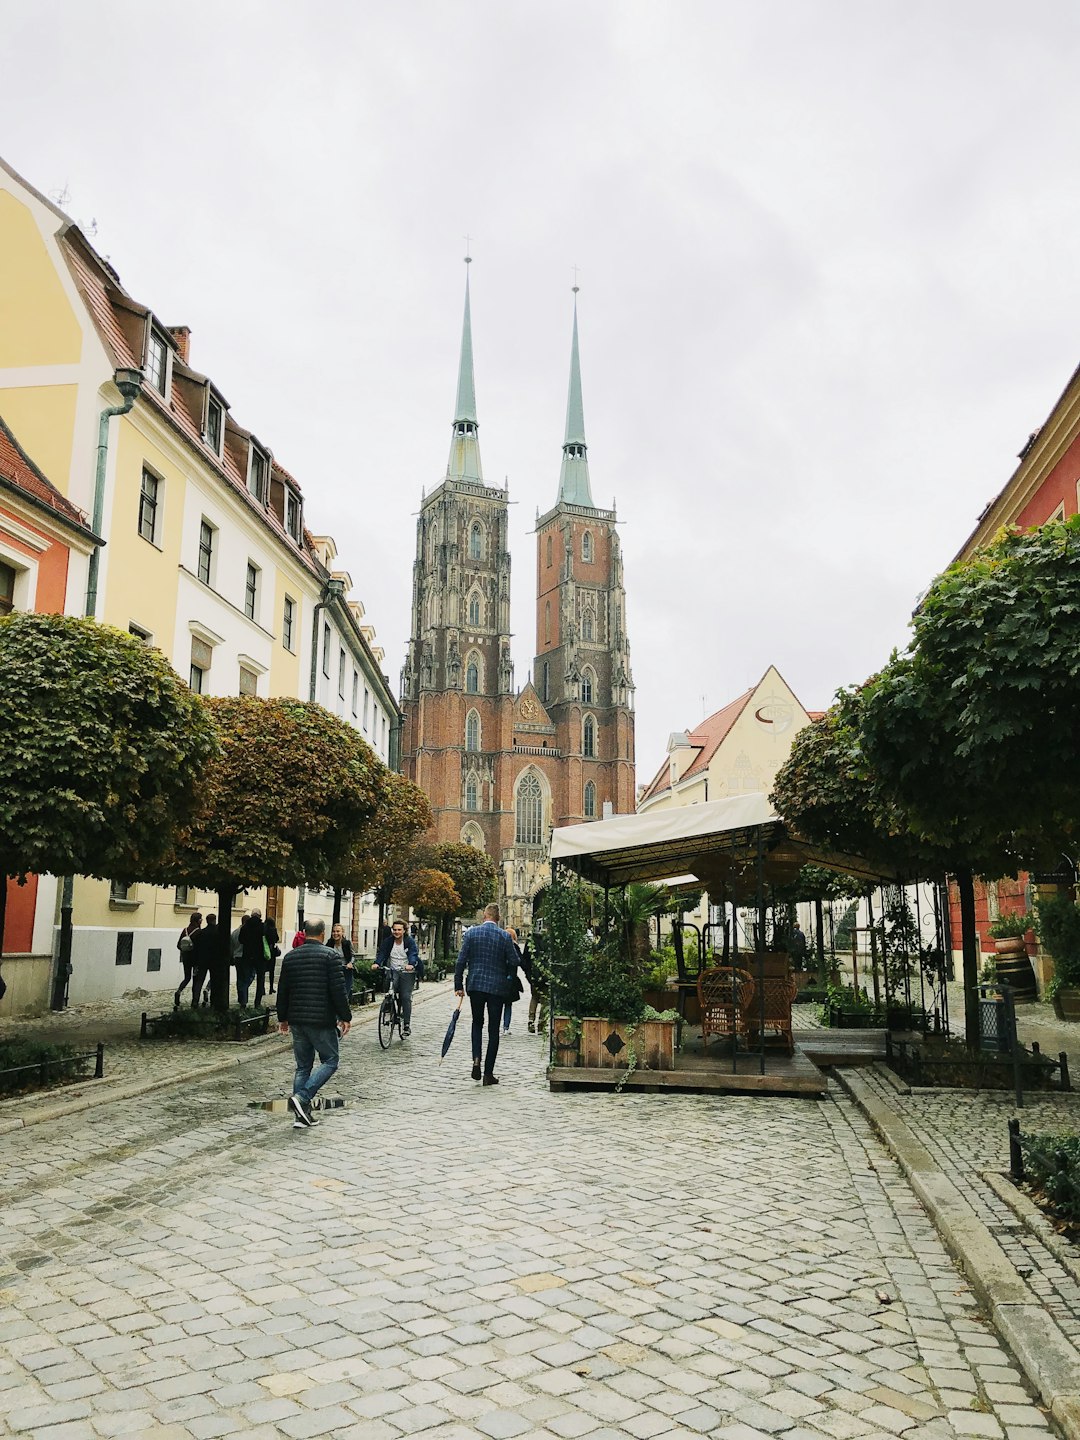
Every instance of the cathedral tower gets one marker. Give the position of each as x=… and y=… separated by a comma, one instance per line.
x=458, y=671
x=582, y=666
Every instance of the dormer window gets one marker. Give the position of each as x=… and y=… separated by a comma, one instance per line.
x=215, y=424
x=157, y=362
x=257, y=467
x=292, y=515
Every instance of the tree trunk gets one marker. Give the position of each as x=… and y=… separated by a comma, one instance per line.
x=337, y=905
x=969, y=941
x=221, y=967
x=3, y=904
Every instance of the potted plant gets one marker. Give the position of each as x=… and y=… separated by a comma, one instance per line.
x=1013, y=964
x=1057, y=924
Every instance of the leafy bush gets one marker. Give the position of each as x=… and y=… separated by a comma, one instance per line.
x=664, y=966
x=610, y=990
x=1057, y=923
x=1052, y=1164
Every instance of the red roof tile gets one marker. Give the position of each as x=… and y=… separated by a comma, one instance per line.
x=19, y=470
x=108, y=302
x=706, y=738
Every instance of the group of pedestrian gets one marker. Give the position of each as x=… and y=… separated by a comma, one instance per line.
x=255, y=949
x=196, y=946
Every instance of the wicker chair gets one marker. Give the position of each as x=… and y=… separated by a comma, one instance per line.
x=725, y=996
x=779, y=991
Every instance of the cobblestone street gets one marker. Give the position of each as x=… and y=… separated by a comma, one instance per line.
x=442, y=1260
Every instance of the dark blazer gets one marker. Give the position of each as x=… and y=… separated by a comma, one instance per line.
x=251, y=942
x=311, y=988
x=489, y=955
x=412, y=955
x=203, y=944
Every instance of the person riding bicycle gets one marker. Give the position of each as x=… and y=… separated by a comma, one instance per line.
x=399, y=956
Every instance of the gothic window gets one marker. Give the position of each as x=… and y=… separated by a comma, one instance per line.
x=472, y=676
x=434, y=543
x=588, y=687
x=471, y=834
x=549, y=549
x=590, y=801
x=547, y=622
x=476, y=541
x=474, y=609
x=529, y=810
x=472, y=731
x=546, y=695
x=588, y=737
x=470, y=793
x=586, y=546
x=587, y=625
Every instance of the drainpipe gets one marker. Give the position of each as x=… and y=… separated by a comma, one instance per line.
x=333, y=590
x=128, y=382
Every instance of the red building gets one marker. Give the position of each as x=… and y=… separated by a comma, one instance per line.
x=1044, y=486
x=501, y=767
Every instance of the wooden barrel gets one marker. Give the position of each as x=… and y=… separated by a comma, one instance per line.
x=1014, y=968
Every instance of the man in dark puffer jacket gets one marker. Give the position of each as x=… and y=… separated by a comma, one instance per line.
x=313, y=1003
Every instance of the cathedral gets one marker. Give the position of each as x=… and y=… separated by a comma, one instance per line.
x=501, y=767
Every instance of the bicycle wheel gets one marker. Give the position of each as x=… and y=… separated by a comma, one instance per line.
x=387, y=1021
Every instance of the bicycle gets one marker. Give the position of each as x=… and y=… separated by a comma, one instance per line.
x=390, y=1018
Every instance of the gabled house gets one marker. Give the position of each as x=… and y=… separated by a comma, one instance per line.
x=208, y=555
x=735, y=751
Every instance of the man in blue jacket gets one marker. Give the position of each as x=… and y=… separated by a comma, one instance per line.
x=491, y=959
x=312, y=1002
x=398, y=954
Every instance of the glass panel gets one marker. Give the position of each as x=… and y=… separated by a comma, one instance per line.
x=529, y=812
x=206, y=551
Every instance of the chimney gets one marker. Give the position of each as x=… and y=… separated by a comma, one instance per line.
x=182, y=335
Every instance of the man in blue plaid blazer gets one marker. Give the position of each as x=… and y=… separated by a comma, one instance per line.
x=491, y=958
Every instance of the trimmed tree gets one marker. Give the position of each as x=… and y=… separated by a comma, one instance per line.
x=280, y=805
x=101, y=750
x=382, y=854
x=474, y=875
x=430, y=893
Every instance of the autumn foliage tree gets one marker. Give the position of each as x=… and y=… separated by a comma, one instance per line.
x=430, y=893
x=473, y=873
x=101, y=749
x=380, y=857
x=280, y=804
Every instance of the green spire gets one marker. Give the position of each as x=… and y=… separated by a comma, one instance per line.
x=466, y=385
x=574, y=486
x=464, y=462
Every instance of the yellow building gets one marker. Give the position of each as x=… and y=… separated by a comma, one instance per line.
x=735, y=751
x=207, y=553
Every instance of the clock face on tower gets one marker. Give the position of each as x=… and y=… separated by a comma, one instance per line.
x=528, y=708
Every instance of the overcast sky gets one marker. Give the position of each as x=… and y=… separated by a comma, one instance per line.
x=828, y=269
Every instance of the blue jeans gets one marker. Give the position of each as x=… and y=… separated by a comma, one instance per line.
x=306, y=1040
x=507, y=1007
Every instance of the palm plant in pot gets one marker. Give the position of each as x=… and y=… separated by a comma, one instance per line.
x=1057, y=924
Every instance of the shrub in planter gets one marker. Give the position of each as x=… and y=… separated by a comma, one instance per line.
x=1008, y=927
x=1057, y=923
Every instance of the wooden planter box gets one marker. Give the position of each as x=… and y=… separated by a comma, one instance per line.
x=653, y=1043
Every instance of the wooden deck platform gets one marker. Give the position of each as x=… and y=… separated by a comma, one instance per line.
x=712, y=1072
x=784, y=1074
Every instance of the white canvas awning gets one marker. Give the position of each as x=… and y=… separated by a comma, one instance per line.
x=718, y=843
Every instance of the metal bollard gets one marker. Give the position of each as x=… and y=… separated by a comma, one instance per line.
x=1016, y=1154
x=99, y=1062
x=1063, y=1070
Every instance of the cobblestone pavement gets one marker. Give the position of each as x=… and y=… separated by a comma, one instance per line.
x=442, y=1260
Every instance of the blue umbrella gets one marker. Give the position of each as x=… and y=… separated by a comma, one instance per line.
x=449, y=1036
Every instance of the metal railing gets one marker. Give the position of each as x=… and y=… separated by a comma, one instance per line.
x=42, y=1073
